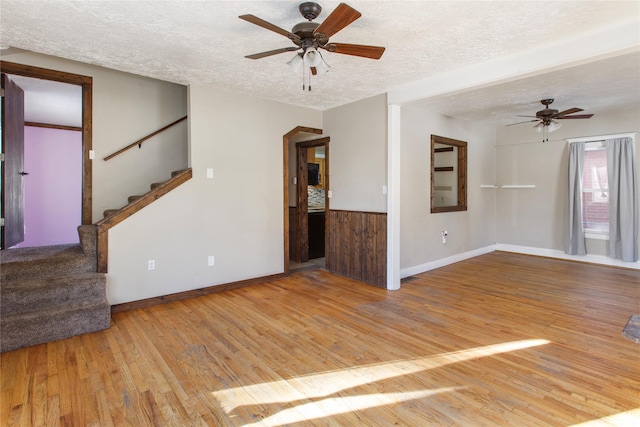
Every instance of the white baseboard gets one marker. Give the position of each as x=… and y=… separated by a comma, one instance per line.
x=417, y=269
x=553, y=253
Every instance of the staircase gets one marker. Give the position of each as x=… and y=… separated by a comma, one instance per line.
x=51, y=292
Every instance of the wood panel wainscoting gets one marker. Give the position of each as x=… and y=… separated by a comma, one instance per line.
x=497, y=340
x=357, y=246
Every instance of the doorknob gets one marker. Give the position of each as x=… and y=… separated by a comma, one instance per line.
x=23, y=173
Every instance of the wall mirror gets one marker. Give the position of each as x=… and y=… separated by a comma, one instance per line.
x=448, y=174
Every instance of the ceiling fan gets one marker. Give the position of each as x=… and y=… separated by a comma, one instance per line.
x=310, y=36
x=549, y=117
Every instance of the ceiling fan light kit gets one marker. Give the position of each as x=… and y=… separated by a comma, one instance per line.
x=310, y=37
x=548, y=118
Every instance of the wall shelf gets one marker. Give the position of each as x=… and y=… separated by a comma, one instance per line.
x=508, y=186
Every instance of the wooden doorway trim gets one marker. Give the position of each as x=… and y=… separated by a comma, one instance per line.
x=86, y=83
x=286, y=139
x=301, y=191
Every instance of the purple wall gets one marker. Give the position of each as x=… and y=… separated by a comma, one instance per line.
x=53, y=188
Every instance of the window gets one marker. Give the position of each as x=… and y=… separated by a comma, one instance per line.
x=595, y=192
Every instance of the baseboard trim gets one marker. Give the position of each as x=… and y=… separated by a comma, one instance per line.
x=553, y=253
x=164, y=299
x=417, y=269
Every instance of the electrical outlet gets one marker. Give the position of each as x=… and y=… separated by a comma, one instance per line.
x=444, y=236
x=151, y=264
x=211, y=261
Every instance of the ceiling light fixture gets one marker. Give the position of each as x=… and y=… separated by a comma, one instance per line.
x=546, y=127
x=311, y=62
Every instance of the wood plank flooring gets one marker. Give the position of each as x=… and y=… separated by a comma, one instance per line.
x=501, y=339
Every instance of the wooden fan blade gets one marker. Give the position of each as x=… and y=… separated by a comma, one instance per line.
x=269, y=26
x=577, y=116
x=519, y=123
x=520, y=115
x=272, y=52
x=565, y=112
x=373, y=52
x=341, y=16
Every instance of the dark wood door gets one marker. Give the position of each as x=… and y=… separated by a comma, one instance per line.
x=13, y=166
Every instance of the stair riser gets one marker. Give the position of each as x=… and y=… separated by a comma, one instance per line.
x=33, y=295
x=46, y=268
x=24, y=331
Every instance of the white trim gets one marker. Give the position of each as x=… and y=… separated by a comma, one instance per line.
x=417, y=269
x=596, y=138
x=552, y=253
x=393, y=196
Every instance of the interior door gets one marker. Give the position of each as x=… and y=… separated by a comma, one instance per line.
x=13, y=165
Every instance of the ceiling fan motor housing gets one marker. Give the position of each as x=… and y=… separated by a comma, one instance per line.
x=305, y=30
x=310, y=10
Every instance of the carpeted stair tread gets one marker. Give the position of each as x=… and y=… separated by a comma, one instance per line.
x=45, y=261
x=50, y=324
x=33, y=294
x=8, y=256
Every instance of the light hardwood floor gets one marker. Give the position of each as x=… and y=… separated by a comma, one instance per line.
x=501, y=339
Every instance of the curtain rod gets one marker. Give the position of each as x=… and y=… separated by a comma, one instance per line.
x=631, y=135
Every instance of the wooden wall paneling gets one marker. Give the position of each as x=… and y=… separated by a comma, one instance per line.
x=357, y=246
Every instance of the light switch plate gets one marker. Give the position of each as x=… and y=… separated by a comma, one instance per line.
x=209, y=173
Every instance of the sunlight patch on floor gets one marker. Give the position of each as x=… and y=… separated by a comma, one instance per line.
x=340, y=405
x=623, y=419
x=302, y=389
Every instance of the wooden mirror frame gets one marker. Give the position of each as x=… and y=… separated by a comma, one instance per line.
x=462, y=173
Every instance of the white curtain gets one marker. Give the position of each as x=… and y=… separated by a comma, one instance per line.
x=574, y=243
x=623, y=200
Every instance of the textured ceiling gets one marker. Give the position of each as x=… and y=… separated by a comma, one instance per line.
x=205, y=43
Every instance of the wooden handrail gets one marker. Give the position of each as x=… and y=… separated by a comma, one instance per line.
x=141, y=140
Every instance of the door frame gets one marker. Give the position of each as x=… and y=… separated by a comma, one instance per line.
x=86, y=83
x=286, y=139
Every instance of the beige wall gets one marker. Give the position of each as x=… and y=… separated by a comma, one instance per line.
x=358, y=154
x=535, y=217
x=126, y=108
x=420, y=230
x=237, y=216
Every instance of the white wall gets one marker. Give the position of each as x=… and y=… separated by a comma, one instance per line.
x=358, y=154
x=237, y=216
x=420, y=230
x=535, y=217
x=126, y=108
